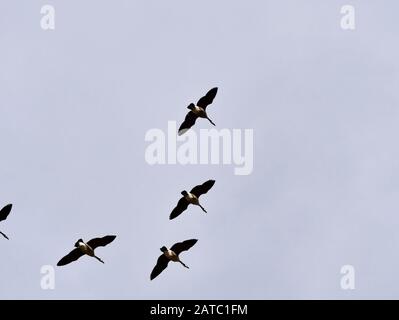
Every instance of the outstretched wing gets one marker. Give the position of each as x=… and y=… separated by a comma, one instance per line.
x=181, y=206
x=188, y=122
x=183, y=246
x=75, y=254
x=100, y=242
x=5, y=212
x=207, y=99
x=161, y=265
x=202, y=188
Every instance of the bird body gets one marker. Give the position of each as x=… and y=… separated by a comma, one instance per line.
x=82, y=248
x=3, y=216
x=85, y=248
x=191, y=197
x=171, y=254
x=198, y=111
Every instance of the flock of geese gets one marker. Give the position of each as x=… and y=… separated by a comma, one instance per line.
x=173, y=254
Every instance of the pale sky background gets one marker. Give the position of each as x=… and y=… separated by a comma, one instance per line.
x=76, y=102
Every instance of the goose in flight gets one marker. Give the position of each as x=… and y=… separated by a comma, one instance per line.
x=3, y=216
x=198, y=111
x=191, y=198
x=88, y=248
x=171, y=254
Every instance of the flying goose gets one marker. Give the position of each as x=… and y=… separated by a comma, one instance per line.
x=171, y=254
x=3, y=216
x=88, y=248
x=191, y=198
x=198, y=111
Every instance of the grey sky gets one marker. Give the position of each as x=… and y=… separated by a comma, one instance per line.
x=76, y=102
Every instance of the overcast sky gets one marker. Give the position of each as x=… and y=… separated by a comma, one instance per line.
x=76, y=102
